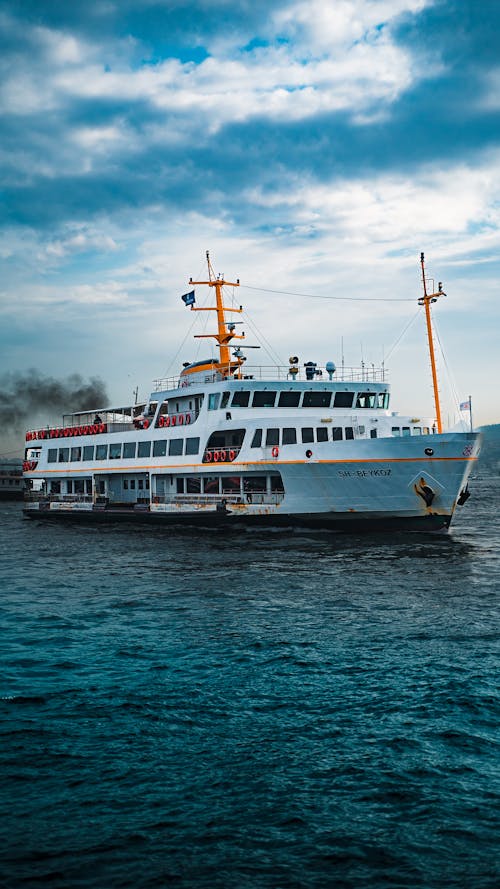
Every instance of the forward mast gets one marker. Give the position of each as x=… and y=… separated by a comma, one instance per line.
x=225, y=330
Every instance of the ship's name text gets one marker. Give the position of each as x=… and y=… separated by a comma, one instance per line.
x=363, y=473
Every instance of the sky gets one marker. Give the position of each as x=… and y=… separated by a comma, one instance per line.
x=314, y=148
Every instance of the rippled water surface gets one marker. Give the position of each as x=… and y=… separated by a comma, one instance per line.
x=256, y=710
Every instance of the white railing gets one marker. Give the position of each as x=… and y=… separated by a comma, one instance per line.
x=366, y=373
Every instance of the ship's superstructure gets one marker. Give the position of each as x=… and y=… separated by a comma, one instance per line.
x=225, y=443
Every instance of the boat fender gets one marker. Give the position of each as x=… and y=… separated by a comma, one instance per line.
x=275, y=452
x=223, y=456
x=208, y=456
x=188, y=419
x=232, y=455
x=309, y=454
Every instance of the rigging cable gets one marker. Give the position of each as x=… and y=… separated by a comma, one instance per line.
x=368, y=299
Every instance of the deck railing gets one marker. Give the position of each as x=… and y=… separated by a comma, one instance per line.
x=365, y=373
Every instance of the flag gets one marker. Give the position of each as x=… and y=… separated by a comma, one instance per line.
x=188, y=298
x=465, y=405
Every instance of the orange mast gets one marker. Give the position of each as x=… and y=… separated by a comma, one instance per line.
x=224, y=333
x=426, y=300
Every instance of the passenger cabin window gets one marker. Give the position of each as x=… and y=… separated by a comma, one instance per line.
x=159, y=448
x=406, y=431
x=337, y=433
x=129, y=450
x=383, y=400
x=266, y=398
x=321, y=433
x=175, y=447
x=396, y=431
x=343, y=399
x=76, y=454
x=63, y=455
x=272, y=437
x=307, y=435
x=144, y=449
x=317, y=399
x=192, y=445
x=417, y=430
x=52, y=455
x=213, y=401
x=88, y=452
x=115, y=451
x=289, y=399
x=225, y=399
x=101, y=452
x=373, y=433
x=289, y=436
x=365, y=399
x=257, y=439
x=349, y=432
x=240, y=399
x=426, y=430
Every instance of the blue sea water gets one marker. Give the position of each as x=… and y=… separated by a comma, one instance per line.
x=254, y=710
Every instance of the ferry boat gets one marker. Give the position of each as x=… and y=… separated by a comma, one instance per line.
x=224, y=444
x=11, y=480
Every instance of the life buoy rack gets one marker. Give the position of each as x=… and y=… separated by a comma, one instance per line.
x=275, y=452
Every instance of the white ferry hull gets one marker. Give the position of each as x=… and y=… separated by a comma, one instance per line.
x=376, y=485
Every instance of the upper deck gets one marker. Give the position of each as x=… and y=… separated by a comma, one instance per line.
x=308, y=373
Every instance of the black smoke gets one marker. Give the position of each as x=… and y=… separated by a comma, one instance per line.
x=31, y=396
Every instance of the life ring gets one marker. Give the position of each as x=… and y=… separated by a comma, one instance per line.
x=145, y=424
x=180, y=419
x=167, y=421
x=187, y=418
x=216, y=456
x=173, y=420
x=223, y=456
x=232, y=455
x=208, y=456
x=160, y=423
x=85, y=430
x=275, y=451
x=66, y=432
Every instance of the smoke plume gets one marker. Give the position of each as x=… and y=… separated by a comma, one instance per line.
x=28, y=398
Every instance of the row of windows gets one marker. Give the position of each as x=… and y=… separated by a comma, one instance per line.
x=288, y=398
x=288, y=436
x=175, y=447
x=230, y=484
x=411, y=430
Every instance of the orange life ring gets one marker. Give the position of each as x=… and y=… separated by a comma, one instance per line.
x=187, y=418
x=208, y=456
x=223, y=456
x=232, y=455
x=275, y=452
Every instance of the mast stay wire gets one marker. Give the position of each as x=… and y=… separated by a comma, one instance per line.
x=401, y=335
x=451, y=380
x=179, y=350
x=370, y=299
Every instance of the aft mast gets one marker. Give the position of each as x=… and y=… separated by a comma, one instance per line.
x=225, y=330
x=426, y=300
